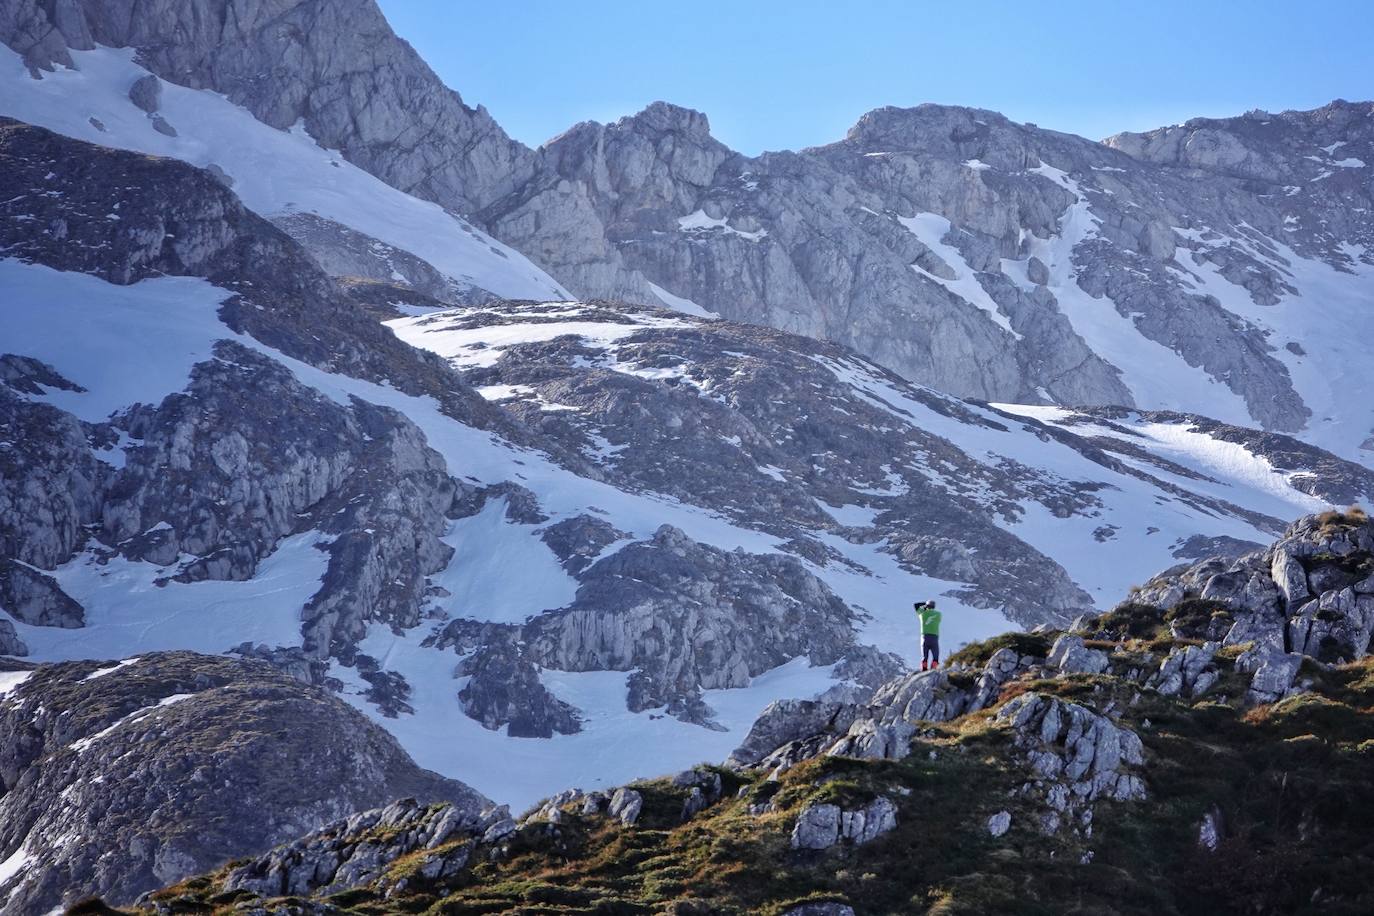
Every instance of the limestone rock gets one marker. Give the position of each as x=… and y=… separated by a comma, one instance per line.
x=999, y=823
x=10, y=643
x=1274, y=671
x=626, y=804
x=820, y=826
x=1070, y=656
x=146, y=93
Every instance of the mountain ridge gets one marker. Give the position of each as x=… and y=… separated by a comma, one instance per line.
x=1006, y=282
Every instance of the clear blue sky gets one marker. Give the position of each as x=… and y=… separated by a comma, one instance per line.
x=783, y=75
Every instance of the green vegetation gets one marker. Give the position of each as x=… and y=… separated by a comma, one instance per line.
x=1290, y=783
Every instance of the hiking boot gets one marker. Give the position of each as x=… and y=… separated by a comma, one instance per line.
x=934, y=665
x=923, y=666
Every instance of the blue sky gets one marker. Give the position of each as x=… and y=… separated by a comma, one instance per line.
x=783, y=75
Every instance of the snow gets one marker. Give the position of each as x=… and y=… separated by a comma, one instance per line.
x=615, y=745
x=98, y=334
x=677, y=303
x=931, y=229
x=505, y=392
x=976, y=164
x=853, y=516
x=1157, y=376
x=101, y=672
x=698, y=221
x=1350, y=163
x=1335, y=373
x=83, y=744
x=475, y=347
x=275, y=172
x=501, y=571
x=1237, y=474
x=13, y=867
x=128, y=614
x=1102, y=568
x=9, y=680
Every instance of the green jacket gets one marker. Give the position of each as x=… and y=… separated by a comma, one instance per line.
x=930, y=622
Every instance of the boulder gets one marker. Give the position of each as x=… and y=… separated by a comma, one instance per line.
x=626, y=804
x=1071, y=656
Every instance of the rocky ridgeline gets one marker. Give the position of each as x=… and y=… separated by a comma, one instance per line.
x=1004, y=775
x=117, y=777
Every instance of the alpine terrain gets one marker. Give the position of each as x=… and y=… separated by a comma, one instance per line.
x=386, y=506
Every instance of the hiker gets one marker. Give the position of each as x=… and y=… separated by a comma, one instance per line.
x=930, y=634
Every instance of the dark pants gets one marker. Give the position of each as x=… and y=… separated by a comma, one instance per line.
x=930, y=648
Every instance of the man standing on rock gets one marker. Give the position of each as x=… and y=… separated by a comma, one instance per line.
x=930, y=634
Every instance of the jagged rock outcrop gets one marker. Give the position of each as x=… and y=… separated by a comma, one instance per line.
x=358, y=850
x=1312, y=593
x=820, y=826
x=121, y=777
x=1075, y=757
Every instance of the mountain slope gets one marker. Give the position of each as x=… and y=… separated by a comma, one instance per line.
x=1168, y=757
x=726, y=516
x=119, y=778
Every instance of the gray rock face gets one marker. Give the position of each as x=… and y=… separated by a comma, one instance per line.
x=10, y=643
x=298, y=60
x=949, y=244
x=345, y=252
x=119, y=778
x=999, y=823
x=33, y=598
x=814, y=242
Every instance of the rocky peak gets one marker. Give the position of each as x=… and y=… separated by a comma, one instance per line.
x=665, y=117
x=334, y=65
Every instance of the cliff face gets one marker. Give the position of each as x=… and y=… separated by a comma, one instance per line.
x=334, y=65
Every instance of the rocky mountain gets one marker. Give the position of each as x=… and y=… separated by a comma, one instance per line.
x=1203, y=747
x=359, y=438
x=118, y=778
x=1174, y=270
x=520, y=534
